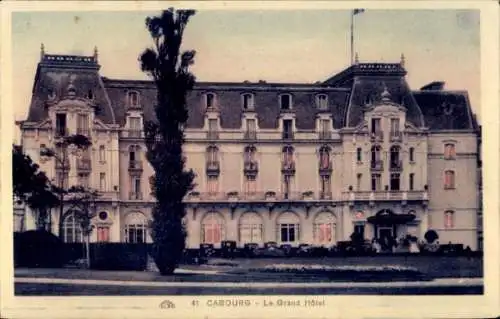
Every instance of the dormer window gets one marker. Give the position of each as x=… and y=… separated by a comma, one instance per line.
x=210, y=100
x=286, y=102
x=322, y=101
x=133, y=99
x=90, y=95
x=247, y=101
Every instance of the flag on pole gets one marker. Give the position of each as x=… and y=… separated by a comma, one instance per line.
x=354, y=12
x=358, y=11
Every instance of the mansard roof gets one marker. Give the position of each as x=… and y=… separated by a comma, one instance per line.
x=349, y=93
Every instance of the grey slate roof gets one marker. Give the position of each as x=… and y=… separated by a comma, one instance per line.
x=348, y=93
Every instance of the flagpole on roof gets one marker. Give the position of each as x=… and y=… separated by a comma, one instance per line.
x=353, y=13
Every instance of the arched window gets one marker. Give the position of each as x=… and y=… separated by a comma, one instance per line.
x=324, y=229
x=213, y=228
x=133, y=98
x=449, y=179
x=251, y=228
x=324, y=158
x=210, y=100
x=135, y=228
x=286, y=101
x=288, y=162
x=72, y=229
x=449, y=221
x=247, y=101
x=449, y=151
x=322, y=101
x=288, y=227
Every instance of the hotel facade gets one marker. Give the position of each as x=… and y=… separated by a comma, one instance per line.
x=288, y=163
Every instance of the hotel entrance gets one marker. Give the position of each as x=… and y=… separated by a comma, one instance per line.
x=385, y=224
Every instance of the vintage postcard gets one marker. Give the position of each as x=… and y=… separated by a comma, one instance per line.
x=249, y=159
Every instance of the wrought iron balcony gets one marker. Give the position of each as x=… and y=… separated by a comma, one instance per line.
x=377, y=136
x=251, y=167
x=325, y=135
x=396, y=136
x=213, y=167
x=84, y=164
x=287, y=135
x=288, y=167
x=213, y=135
x=135, y=195
x=377, y=165
x=133, y=133
x=396, y=166
x=250, y=135
x=135, y=166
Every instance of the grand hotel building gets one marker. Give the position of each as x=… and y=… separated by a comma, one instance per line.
x=290, y=163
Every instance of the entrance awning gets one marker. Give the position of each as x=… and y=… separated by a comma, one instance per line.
x=387, y=217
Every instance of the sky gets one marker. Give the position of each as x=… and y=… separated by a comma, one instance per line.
x=276, y=46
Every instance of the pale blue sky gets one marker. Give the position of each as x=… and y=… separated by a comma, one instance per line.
x=282, y=46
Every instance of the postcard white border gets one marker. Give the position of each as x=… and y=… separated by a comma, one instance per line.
x=338, y=306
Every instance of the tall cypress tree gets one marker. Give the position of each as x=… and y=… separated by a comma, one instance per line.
x=164, y=137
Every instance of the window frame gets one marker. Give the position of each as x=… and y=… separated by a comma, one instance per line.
x=319, y=105
x=449, y=184
x=250, y=103
x=130, y=100
x=213, y=101
x=290, y=101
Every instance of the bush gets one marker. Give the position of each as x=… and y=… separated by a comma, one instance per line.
x=431, y=236
x=118, y=256
x=38, y=248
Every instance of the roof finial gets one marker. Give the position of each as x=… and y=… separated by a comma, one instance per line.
x=386, y=96
x=42, y=51
x=96, y=54
x=356, y=58
x=402, y=60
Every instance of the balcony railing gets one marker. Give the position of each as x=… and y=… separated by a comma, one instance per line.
x=61, y=132
x=135, y=195
x=259, y=196
x=325, y=195
x=213, y=167
x=325, y=135
x=396, y=166
x=396, y=136
x=83, y=131
x=250, y=135
x=377, y=165
x=212, y=135
x=251, y=167
x=325, y=168
x=133, y=133
x=288, y=166
x=287, y=135
x=84, y=164
x=135, y=165
x=387, y=195
x=377, y=136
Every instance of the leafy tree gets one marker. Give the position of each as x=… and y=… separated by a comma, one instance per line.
x=169, y=68
x=32, y=186
x=431, y=236
x=74, y=144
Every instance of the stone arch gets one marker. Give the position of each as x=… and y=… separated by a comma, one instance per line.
x=324, y=228
x=136, y=226
x=288, y=226
x=251, y=228
x=213, y=228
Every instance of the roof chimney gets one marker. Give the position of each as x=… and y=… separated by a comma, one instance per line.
x=433, y=86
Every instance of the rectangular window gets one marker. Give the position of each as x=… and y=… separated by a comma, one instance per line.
x=412, y=154
x=289, y=232
x=325, y=185
x=102, y=153
x=82, y=124
x=412, y=181
x=449, y=180
x=103, y=234
x=212, y=184
x=360, y=229
x=247, y=101
x=286, y=102
x=448, y=219
x=62, y=179
x=375, y=126
x=358, y=182
x=61, y=124
x=287, y=129
x=395, y=182
x=83, y=180
x=251, y=128
x=135, y=126
x=102, y=181
x=250, y=184
x=359, y=154
x=210, y=100
x=212, y=127
x=376, y=182
x=286, y=186
x=395, y=127
x=449, y=151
